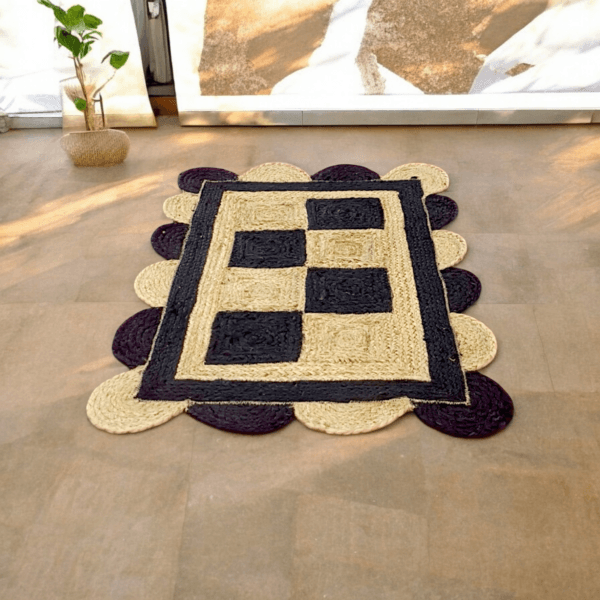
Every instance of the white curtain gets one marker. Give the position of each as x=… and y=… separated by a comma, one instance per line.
x=29, y=82
x=140, y=15
x=151, y=26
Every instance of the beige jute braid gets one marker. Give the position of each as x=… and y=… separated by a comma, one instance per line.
x=352, y=418
x=181, y=207
x=450, y=248
x=275, y=173
x=113, y=407
x=263, y=289
x=476, y=342
x=433, y=179
x=153, y=284
x=350, y=249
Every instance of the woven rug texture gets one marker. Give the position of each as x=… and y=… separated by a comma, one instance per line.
x=333, y=299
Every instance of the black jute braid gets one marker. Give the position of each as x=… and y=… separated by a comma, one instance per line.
x=442, y=210
x=133, y=340
x=348, y=291
x=245, y=337
x=491, y=410
x=345, y=173
x=191, y=180
x=243, y=418
x=168, y=240
x=269, y=249
x=463, y=288
x=345, y=213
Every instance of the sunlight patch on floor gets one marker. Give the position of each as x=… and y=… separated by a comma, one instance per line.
x=71, y=208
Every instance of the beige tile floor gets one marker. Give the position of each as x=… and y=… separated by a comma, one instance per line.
x=186, y=512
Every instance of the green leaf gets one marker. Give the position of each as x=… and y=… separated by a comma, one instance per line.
x=118, y=58
x=92, y=21
x=59, y=13
x=80, y=104
x=75, y=18
x=48, y=4
x=70, y=42
x=85, y=49
x=57, y=31
x=62, y=17
x=75, y=13
x=90, y=35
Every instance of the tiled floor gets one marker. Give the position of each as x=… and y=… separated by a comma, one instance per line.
x=185, y=512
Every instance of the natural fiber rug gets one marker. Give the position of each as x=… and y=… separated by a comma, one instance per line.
x=333, y=299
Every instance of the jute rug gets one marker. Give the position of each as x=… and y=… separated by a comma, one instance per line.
x=332, y=299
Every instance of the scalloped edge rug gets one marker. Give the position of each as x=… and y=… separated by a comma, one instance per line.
x=455, y=398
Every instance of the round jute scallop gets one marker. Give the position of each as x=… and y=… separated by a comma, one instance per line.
x=243, y=418
x=153, y=284
x=433, y=179
x=450, y=248
x=351, y=418
x=275, y=173
x=490, y=410
x=345, y=173
x=132, y=343
x=192, y=179
x=113, y=407
x=167, y=240
x=181, y=207
x=463, y=288
x=476, y=342
x=441, y=210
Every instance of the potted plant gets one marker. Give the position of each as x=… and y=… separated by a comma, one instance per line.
x=98, y=145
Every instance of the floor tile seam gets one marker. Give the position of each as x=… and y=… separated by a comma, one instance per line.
x=514, y=390
x=554, y=267
x=512, y=303
x=18, y=303
x=591, y=332
x=134, y=302
x=587, y=317
x=590, y=338
x=185, y=514
x=48, y=303
x=36, y=302
x=468, y=231
x=539, y=332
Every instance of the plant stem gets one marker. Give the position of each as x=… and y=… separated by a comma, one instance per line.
x=102, y=109
x=89, y=112
x=80, y=79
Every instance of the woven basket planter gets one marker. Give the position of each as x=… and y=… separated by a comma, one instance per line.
x=102, y=148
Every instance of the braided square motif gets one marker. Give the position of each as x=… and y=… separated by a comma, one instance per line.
x=255, y=337
x=348, y=291
x=269, y=249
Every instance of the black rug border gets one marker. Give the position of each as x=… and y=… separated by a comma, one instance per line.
x=447, y=378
